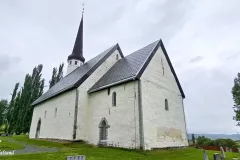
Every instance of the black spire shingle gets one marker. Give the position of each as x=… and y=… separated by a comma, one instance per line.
x=77, y=52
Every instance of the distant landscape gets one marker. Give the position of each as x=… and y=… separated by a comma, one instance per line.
x=216, y=136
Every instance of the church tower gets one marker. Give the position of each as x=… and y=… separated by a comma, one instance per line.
x=76, y=59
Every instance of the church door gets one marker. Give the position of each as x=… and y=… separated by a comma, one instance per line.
x=103, y=131
x=38, y=128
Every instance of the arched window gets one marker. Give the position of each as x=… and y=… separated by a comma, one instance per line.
x=117, y=57
x=166, y=105
x=75, y=62
x=45, y=115
x=114, y=99
x=70, y=62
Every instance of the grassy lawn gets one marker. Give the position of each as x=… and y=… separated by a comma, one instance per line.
x=5, y=145
x=94, y=153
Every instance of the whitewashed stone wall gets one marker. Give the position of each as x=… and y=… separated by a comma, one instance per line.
x=162, y=128
x=59, y=127
x=122, y=118
x=83, y=100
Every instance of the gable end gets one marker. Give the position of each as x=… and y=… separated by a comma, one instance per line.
x=116, y=47
x=169, y=63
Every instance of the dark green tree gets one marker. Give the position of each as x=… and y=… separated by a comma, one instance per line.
x=35, y=87
x=193, y=138
x=3, y=109
x=57, y=75
x=53, y=79
x=201, y=140
x=236, y=98
x=21, y=110
x=10, y=109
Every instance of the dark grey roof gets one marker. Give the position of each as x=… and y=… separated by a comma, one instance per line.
x=131, y=67
x=78, y=76
x=125, y=69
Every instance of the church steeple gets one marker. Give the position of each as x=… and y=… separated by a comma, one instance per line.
x=77, y=52
x=76, y=59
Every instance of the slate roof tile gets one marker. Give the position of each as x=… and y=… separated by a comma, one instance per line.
x=78, y=76
x=126, y=68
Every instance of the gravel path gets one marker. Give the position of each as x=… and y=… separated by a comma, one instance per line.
x=31, y=148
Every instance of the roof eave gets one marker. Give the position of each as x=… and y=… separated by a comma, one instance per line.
x=113, y=84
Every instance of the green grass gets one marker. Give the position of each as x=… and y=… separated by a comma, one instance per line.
x=5, y=145
x=94, y=153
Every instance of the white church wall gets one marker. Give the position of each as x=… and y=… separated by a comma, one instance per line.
x=122, y=118
x=59, y=127
x=83, y=100
x=162, y=128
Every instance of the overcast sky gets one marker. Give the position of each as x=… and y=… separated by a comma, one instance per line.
x=201, y=37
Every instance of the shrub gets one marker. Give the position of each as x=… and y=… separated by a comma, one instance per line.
x=203, y=141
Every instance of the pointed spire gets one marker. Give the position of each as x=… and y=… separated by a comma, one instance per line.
x=77, y=52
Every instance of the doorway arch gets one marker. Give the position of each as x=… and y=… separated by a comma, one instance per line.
x=103, y=131
x=38, y=128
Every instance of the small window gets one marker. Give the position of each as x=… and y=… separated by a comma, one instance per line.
x=75, y=62
x=114, y=97
x=108, y=91
x=117, y=57
x=69, y=115
x=45, y=114
x=166, y=105
x=55, y=115
x=162, y=66
x=70, y=62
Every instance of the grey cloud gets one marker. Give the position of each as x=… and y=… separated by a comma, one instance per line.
x=6, y=62
x=214, y=108
x=196, y=59
x=41, y=32
x=234, y=56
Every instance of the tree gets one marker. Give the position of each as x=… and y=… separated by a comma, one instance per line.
x=10, y=109
x=3, y=108
x=236, y=98
x=193, y=138
x=57, y=75
x=201, y=140
x=20, y=109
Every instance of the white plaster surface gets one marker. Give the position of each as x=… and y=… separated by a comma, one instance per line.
x=84, y=99
x=60, y=127
x=122, y=118
x=162, y=128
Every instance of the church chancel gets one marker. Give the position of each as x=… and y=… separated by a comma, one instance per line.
x=133, y=101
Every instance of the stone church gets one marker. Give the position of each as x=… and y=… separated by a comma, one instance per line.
x=133, y=101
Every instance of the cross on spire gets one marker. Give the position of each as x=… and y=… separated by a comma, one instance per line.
x=83, y=8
